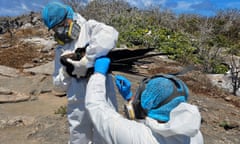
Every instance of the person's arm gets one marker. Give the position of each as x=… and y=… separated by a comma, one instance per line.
x=61, y=79
x=103, y=38
x=111, y=125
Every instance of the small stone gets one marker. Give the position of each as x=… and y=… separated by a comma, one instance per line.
x=228, y=98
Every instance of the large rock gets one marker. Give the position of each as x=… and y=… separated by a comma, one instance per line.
x=43, y=69
x=9, y=72
x=13, y=98
x=9, y=96
x=223, y=81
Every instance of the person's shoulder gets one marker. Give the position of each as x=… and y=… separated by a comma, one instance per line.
x=187, y=106
x=93, y=21
x=79, y=18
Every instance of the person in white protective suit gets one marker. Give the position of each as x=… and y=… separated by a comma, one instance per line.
x=72, y=32
x=160, y=113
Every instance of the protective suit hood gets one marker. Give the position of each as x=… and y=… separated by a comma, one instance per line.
x=185, y=119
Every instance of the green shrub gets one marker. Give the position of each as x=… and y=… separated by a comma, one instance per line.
x=220, y=69
x=62, y=110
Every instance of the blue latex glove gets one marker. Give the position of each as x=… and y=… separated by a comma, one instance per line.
x=101, y=65
x=124, y=86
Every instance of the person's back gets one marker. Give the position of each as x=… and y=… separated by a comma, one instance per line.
x=160, y=110
x=183, y=126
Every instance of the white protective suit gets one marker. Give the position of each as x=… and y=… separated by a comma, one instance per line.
x=182, y=128
x=101, y=39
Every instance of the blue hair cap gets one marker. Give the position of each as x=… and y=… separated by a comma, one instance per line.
x=157, y=90
x=54, y=13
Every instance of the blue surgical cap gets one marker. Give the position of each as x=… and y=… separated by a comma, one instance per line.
x=55, y=12
x=159, y=89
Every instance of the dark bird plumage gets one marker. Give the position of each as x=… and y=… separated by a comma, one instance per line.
x=121, y=59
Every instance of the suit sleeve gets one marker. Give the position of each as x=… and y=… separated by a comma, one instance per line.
x=103, y=38
x=113, y=127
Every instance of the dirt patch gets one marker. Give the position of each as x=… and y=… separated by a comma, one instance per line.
x=15, y=52
x=34, y=122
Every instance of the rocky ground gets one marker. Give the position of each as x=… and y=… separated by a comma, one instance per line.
x=31, y=112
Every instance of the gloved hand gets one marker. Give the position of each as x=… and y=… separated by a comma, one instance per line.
x=67, y=67
x=68, y=55
x=79, y=66
x=67, y=52
x=102, y=65
x=124, y=86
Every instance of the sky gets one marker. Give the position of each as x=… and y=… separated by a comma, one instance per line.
x=202, y=7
